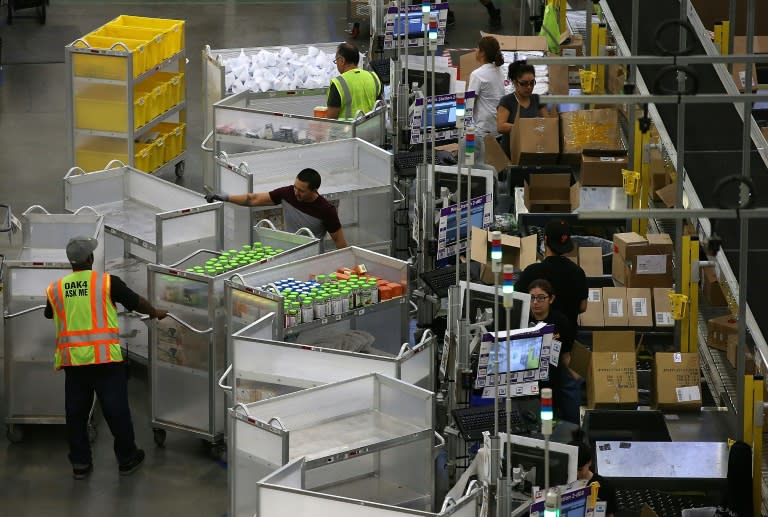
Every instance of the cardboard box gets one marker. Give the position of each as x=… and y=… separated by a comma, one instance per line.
x=677, y=381
x=571, y=44
x=594, y=315
x=550, y=193
x=580, y=359
x=722, y=331
x=602, y=168
x=591, y=260
x=662, y=311
x=639, y=307
x=639, y=265
x=494, y=153
x=710, y=287
x=612, y=379
x=593, y=129
x=615, y=307
x=617, y=76
x=520, y=252
x=535, y=141
x=749, y=360
x=558, y=80
x=667, y=195
x=621, y=243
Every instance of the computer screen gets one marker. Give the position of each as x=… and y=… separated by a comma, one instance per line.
x=442, y=81
x=414, y=22
x=477, y=217
x=481, y=297
x=574, y=508
x=517, y=355
x=529, y=453
x=445, y=115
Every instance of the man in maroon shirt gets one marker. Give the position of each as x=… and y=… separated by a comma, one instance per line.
x=303, y=206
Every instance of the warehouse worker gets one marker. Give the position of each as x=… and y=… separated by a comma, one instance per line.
x=82, y=305
x=355, y=90
x=567, y=278
x=302, y=205
x=522, y=103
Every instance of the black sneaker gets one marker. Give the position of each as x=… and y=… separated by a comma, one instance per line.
x=128, y=468
x=80, y=471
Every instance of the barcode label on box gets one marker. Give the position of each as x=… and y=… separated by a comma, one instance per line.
x=607, y=159
x=651, y=264
x=688, y=394
x=677, y=357
x=639, y=307
x=595, y=295
x=664, y=318
x=615, y=308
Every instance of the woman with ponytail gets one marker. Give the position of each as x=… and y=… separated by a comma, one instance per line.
x=521, y=103
x=487, y=82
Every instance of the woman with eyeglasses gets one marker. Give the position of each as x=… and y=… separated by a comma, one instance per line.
x=566, y=406
x=521, y=103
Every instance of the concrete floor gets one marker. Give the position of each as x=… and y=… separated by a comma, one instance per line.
x=181, y=479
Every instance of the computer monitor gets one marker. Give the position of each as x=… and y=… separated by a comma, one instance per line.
x=445, y=115
x=481, y=297
x=415, y=23
x=474, y=216
x=442, y=81
x=517, y=354
x=529, y=453
x=447, y=176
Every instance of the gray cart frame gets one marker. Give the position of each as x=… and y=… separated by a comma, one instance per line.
x=29, y=339
x=356, y=174
x=156, y=220
x=184, y=396
x=343, y=422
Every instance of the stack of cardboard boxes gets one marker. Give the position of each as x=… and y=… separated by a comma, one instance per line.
x=627, y=307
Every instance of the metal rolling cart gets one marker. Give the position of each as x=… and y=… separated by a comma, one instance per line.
x=29, y=338
x=251, y=121
x=189, y=352
x=370, y=436
x=386, y=321
x=126, y=95
x=355, y=173
x=214, y=84
x=147, y=220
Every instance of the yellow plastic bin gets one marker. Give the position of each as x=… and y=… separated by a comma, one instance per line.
x=94, y=153
x=104, y=107
x=155, y=38
x=175, y=140
x=174, y=86
x=156, y=98
x=158, y=152
x=109, y=67
x=174, y=40
x=144, y=155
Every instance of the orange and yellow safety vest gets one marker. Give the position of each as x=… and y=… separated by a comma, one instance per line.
x=86, y=320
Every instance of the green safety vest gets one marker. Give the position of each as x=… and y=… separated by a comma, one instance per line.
x=86, y=320
x=359, y=90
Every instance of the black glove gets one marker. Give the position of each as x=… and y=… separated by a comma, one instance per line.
x=216, y=197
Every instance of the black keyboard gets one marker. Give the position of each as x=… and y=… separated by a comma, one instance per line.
x=381, y=68
x=473, y=421
x=439, y=280
x=407, y=161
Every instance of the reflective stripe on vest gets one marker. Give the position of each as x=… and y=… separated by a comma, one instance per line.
x=86, y=320
x=354, y=88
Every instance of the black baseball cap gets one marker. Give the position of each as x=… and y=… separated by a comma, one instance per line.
x=558, y=236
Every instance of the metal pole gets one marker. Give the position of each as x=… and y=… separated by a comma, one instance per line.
x=521, y=29
x=741, y=347
x=731, y=26
x=508, y=406
x=680, y=146
x=632, y=108
x=496, y=369
x=590, y=7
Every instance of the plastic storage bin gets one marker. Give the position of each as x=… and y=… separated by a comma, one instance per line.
x=156, y=98
x=174, y=86
x=174, y=136
x=155, y=39
x=174, y=40
x=106, y=67
x=104, y=108
x=96, y=151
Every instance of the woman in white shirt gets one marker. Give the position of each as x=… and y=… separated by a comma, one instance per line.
x=487, y=82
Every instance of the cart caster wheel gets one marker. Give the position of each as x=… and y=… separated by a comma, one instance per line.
x=14, y=433
x=93, y=432
x=159, y=435
x=179, y=169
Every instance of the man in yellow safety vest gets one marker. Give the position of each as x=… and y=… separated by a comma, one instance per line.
x=82, y=305
x=355, y=90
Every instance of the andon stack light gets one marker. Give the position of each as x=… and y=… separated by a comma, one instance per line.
x=496, y=251
x=508, y=286
x=469, y=148
x=546, y=411
x=460, y=110
x=432, y=35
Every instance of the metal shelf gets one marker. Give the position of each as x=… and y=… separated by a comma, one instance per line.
x=253, y=142
x=351, y=315
x=138, y=132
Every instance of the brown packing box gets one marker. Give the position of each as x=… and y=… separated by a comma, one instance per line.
x=594, y=129
x=749, y=360
x=615, y=307
x=667, y=195
x=639, y=307
x=677, y=381
x=591, y=260
x=621, y=243
x=658, y=171
x=580, y=357
x=764, y=131
x=494, y=154
x=662, y=312
x=612, y=379
x=593, y=316
x=551, y=193
x=535, y=141
x=519, y=252
x=571, y=44
x=602, y=168
x=722, y=331
x=558, y=80
x=617, y=76
x=646, y=266
x=710, y=287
